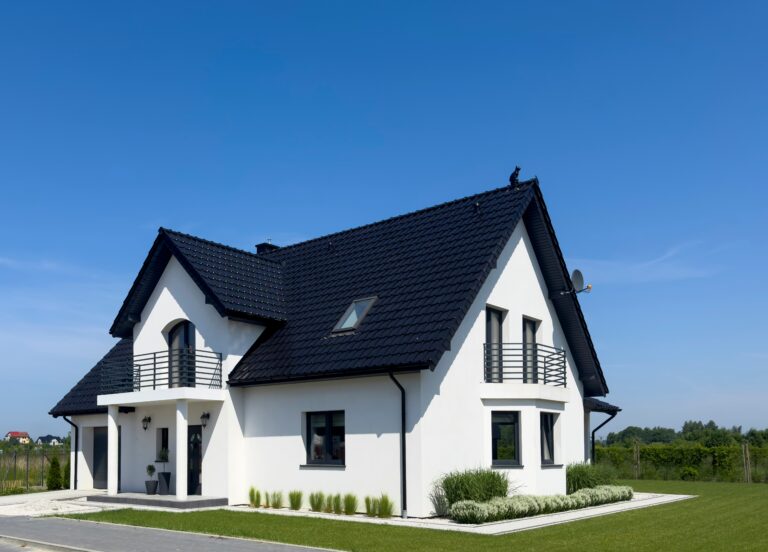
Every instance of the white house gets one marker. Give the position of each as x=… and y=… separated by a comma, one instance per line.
x=372, y=360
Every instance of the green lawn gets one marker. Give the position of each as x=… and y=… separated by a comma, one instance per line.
x=725, y=516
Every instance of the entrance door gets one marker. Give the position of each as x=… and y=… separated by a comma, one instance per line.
x=100, y=444
x=195, y=459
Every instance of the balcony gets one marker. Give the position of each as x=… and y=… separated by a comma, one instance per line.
x=169, y=369
x=524, y=363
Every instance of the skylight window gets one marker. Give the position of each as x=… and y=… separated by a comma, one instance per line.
x=354, y=314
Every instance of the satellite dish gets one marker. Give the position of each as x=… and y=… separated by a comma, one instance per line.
x=577, y=279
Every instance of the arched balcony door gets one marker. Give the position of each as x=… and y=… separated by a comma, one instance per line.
x=181, y=355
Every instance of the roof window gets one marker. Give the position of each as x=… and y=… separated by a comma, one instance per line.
x=354, y=314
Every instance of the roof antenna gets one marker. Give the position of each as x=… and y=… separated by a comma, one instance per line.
x=513, y=178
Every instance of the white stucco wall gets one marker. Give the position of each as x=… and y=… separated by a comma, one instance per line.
x=455, y=428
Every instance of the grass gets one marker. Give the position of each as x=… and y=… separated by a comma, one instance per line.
x=725, y=516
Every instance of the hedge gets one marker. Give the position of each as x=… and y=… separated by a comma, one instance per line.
x=684, y=461
x=518, y=506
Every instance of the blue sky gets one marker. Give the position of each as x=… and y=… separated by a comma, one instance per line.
x=647, y=124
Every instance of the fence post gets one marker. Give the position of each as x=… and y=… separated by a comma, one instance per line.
x=636, y=454
x=746, y=462
x=15, y=452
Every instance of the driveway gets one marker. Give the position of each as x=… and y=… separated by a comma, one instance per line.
x=100, y=537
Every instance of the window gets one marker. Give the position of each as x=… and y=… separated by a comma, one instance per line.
x=162, y=442
x=181, y=355
x=325, y=437
x=548, y=438
x=505, y=438
x=530, y=362
x=354, y=315
x=494, y=372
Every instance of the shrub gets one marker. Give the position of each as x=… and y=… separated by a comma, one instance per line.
x=688, y=473
x=479, y=485
x=295, y=499
x=277, y=499
x=512, y=507
x=350, y=504
x=316, y=501
x=53, y=481
x=65, y=474
x=254, y=497
x=386, y=507
x=371, y=506
x=439, y=502
x=328, y=506
x=587, y=476
x=150, y=470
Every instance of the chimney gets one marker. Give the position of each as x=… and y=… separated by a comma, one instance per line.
x=265, y=247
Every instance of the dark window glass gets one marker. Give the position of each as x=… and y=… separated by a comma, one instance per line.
x=505, y=438
x=162, y=441
x=493, y=345
x=530, y=370
x=181, y=355
x=325, y=437
x=547, y=438
x=354, y=315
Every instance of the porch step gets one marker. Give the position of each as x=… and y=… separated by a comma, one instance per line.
x=160, y=501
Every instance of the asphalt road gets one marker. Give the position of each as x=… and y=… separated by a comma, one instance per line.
x=120, y=538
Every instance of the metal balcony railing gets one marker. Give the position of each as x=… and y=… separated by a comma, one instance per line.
x=524, y=363
x=163, y=370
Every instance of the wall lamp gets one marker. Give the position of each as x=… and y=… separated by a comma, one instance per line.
x=204, y=418
x=145, y=421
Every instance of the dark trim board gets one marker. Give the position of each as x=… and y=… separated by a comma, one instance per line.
x=192, y=502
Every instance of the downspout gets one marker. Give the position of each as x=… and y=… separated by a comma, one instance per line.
x=403, y=479
x=611, y=417
x=76, y=445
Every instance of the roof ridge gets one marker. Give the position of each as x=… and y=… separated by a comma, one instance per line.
x=162, y=229
x=522, y=186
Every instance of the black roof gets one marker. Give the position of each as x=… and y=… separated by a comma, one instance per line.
x=237, y=283
x=81, y=399
x=595, y=405
x=425, y=268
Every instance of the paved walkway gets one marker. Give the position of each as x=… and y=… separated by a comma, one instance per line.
x=102, y=537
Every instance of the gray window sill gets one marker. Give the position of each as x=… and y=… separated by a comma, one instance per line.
x=507, y=466
x=322, y=467
x=551, y=466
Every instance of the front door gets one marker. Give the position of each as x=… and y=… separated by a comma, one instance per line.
x=100, y=469
x=195, y=459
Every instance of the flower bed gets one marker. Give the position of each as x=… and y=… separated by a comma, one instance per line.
x=517, y=506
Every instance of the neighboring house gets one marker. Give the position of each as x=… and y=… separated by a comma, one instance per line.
x=49, y=440
x=372, y=360
x=21, y=437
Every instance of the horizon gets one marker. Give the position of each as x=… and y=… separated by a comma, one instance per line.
x=241, y=123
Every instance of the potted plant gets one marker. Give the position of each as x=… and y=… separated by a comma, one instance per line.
x=163, y=477
x=151, y=484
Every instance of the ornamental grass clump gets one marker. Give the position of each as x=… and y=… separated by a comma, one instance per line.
x=350, y=504
x=479, y=485
x=386, y=507
x=328, y=506
x=371, y=506
x=338, y=508
x=518, y=506
x=254, y=497
x=295, y=499
x=277, y=499
x=316, y=501
x=587, y=476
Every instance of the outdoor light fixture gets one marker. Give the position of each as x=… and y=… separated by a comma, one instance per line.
x=145, y=421
x=204, y=418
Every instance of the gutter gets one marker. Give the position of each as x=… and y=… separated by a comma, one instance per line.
x=403, y=479
x=611, y=417
x=76, y=445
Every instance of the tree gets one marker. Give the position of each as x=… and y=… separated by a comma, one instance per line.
x=65, y=475
x=54, y=475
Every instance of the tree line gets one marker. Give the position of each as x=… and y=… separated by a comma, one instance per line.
x=693, y=432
